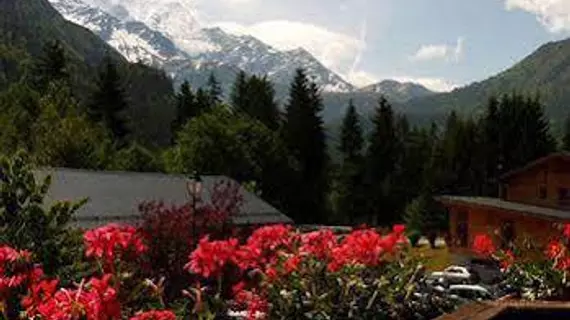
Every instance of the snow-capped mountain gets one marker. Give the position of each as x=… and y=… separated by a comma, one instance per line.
x=398, y=91
x=167, y=34
x=133, y=39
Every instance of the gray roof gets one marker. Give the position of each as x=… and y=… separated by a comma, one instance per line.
x=522, y=208
x=115, y=196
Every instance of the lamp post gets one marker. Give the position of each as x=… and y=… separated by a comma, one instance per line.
x=195, y=189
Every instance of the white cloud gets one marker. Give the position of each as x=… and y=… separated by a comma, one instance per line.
x=439, y=52
x=553, y=14
x=334, y=50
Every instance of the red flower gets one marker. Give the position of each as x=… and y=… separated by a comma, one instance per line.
x=483, y=245
x=567, y=230
x=255, y=305
x=271, y=274
x=399, y=228
x=271, y=237
x=362, y=247
x=210, y=257
x=94, y=301
x=318, y=244
x=155, y=315
x=111, y=241
x=292, y=264
x=507, y=260
x=554, y=249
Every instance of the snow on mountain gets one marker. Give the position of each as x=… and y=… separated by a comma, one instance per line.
x=133, y=39
x=399, y=91
x=167, y=34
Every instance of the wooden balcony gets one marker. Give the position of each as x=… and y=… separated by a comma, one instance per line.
x=511, y=310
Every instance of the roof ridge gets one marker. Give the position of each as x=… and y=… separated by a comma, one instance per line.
x=129, y=173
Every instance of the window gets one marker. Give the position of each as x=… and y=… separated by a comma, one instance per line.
x=542, y=192
x=507, y=234
x=564, y=196
x=462, y=229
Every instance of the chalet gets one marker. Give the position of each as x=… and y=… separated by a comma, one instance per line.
x=532, y=202
x=115, y=196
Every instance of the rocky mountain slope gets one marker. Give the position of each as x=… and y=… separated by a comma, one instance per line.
x=167, y=34
x=398, y=91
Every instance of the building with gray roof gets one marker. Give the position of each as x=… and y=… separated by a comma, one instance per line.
x=115, y=196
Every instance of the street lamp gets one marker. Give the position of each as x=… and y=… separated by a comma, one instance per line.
x=194, y=187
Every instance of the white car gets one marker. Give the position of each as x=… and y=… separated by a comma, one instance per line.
x=455, y=274
x=469, y=292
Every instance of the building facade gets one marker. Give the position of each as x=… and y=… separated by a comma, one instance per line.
x=533, y=203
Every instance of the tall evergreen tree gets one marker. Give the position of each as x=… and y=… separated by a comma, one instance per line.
x=185, y=107
x=490, y=128
x=239, y=95
x=351, y=204
x=108, y=103
x=263, y=106
x=351, y=137
x=566, y=136
x=51, y=66
x=214, y=90
x=381, y=162
x=305, y=138
x=203, y=102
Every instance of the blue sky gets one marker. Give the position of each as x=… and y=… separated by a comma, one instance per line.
x=439, y=43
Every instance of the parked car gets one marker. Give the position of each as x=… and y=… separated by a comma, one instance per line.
x=488, y=270
x=457, y=274
x=470, y=292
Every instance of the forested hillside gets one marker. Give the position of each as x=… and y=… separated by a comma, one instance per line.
x=27, y=26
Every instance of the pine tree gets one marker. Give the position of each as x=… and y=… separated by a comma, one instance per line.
x=381, y=162
x=305, y=138
x=351, y=137
x=566, y=136
x=51, y=66
x=108, y=103
x=203, y=102
x=491, y=151
x=239, y=95
x=185, y=107
x=261, y=96
x=214, y=90
x=255, y=97
x=351, y=196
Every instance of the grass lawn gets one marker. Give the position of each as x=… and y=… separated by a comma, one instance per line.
x=435, y=259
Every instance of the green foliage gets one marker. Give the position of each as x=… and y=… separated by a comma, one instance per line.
x=304, y=137
x=51, y=66
x=214, y=90
x=27, y=223
x=255, y=97
x=350, y=194
x=566, y=136
x=381, y=161
x=136, y=158
x=62, y=136
x=424, y=216
x=220, y=142
x=108, y=102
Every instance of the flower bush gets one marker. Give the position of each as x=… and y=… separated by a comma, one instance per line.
x=535, y=278
x=277, y=273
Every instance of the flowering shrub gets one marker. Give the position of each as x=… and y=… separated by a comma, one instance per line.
x=543, y=277
x=286, y=275
x=170, y=233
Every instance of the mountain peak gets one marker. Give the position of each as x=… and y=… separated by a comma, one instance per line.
x=398, y=91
